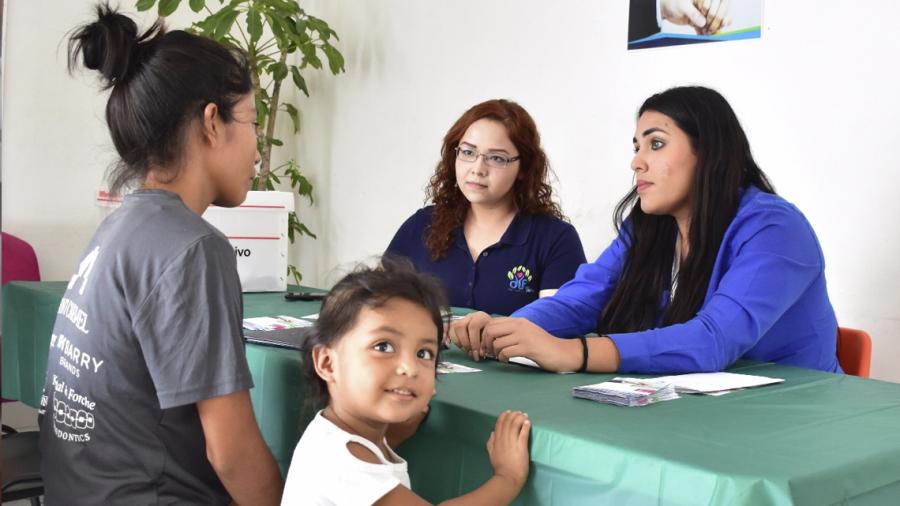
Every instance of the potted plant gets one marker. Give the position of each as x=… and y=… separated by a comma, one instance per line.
x=271, y=32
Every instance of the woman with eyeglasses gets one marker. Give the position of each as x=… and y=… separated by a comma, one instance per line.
x=709, y=266
x=493, y=235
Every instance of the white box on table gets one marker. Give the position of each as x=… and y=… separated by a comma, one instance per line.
x=258, y=231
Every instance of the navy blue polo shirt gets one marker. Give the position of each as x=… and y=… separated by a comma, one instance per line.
x=535, y=253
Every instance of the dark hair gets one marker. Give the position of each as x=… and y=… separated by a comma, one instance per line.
x=160, y=82
x=725, y=168
x=532, y=191
x=371, y=287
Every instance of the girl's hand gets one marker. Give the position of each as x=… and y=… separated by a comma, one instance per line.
x=466, y=333
x=508, y=447
x=518, y=337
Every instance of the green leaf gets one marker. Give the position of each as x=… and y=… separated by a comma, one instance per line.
x=285, y=8
x=294, y=114
x=254, y=25
x=279, y=71
x=262, y=111
x=299, y=30
x=305, y=188
x=208, y=25
x=263, y=63
x=197, y=5
x=298, y=80
x=335, y=59
x=294, y=225
x=293, y=221
x=225, y=23
x=277, y=29
x=167, y=7
x=292, y=271
x=145, y=5
x=275, y=142
x=309, y=56
x=305, y=231
x=274, y=177
x=317, y=24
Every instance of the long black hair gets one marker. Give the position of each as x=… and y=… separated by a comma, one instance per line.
x=161, y=81
x=394, y=277
x=725, y=167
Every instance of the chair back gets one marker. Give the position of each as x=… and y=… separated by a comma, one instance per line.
x=20, y=466
x=19, y=261
x=854, y=351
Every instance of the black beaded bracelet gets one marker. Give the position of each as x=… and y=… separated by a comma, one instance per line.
x=584, y=355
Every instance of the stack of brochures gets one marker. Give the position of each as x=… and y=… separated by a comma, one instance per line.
x=275, y=323
x=628, y=392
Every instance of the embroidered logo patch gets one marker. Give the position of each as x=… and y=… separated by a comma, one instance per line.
x=519, y=277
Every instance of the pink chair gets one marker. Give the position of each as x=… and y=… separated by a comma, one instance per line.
x=20, y=462
x=19, y=261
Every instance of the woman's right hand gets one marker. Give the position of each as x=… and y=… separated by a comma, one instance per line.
x=508, y=447
x=466, y=333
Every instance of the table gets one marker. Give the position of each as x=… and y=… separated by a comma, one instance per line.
x=815, y=439
x=29, y=310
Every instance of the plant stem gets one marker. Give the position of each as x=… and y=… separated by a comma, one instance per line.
x=267, y=44
x=266, y=155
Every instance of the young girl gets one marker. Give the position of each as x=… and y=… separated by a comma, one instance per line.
x=147, y=393
x=494, y=236
x=371, y=362
x=710, y=265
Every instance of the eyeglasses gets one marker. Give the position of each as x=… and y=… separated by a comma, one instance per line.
x=494, y=160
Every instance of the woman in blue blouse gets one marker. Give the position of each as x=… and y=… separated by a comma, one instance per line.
x=710, y=265
x=494, y=236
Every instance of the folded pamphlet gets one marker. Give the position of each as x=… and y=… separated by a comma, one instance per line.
x=626, y=392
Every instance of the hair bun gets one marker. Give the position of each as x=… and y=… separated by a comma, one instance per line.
x=108, y=45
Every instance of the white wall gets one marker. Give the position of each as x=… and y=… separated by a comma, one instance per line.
x=815, y=94
x=55, y=144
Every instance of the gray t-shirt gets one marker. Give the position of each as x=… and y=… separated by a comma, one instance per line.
x=149, y=325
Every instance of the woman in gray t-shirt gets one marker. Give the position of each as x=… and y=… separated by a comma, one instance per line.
x=147, y=393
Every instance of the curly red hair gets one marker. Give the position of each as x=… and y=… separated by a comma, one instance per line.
x=532, y=191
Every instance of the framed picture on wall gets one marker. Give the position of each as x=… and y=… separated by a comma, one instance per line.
x=657, y=23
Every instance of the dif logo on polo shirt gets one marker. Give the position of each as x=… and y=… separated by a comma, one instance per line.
x=519, y=277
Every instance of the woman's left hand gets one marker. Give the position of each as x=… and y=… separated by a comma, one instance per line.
x=515, y=337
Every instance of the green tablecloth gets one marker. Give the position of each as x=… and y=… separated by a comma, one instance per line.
x=29, y=311
x=815, y=439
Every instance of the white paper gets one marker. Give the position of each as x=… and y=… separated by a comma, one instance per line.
x=451, y=368
x=715, y=381
x=524, y=361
